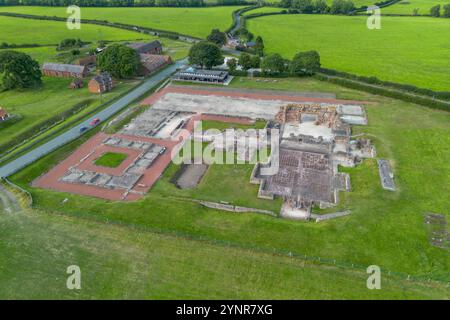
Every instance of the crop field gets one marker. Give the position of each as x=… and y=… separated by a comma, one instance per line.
x=408, y=6
x=196, y=22
x=29, y=31
x=406, y=49
x=384, y=228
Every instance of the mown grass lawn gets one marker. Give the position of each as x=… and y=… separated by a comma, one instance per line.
x=196, y=22
x=110, y=159
x=384, y=228
x=407, y=50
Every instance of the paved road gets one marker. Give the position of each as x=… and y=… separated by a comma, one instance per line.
x=74, y=132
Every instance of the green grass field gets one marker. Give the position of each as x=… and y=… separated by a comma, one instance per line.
x=394, y=53
x=407, y=6
x=119, y=262
x=110, y=159
x=196, y=22
x=384, y=228
x=52, y=32
x=38, y=105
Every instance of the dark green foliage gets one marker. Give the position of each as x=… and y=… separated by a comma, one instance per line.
x=18, y=70
x=435, y=11
x=247, y=61
x=232, y=64
x=305, y=63
x=119, y=60
x=273, y=63
x=217, y=37
x=447, y=11
x=342, y=7
x=205, y=54
x=70, y=43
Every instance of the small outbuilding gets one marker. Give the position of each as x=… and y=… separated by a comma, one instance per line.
x=154, y=47
x=152, y=62
x=101, y=83
x=3, y=114
x=77, y=83
x=88, y=61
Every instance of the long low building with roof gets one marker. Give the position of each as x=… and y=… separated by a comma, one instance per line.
x=64, y=70
x=202, y=75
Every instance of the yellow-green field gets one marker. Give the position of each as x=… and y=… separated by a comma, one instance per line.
x=408, y=6
x=196, y=22
x=406, y=50
x=44, y=32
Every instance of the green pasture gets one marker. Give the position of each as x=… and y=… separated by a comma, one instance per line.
x=385, y=228
x=408, y=6
x=120, y=262
x=409, y=50
x=196, y=22
x=39, y=104
x=44, y=32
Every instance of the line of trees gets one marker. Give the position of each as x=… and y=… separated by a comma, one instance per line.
x=318, y=6
x=119, y=3
x=435, y=11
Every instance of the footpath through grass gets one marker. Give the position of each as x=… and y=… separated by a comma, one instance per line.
x=384, y=228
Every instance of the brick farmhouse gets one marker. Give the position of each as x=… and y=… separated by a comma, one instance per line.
x=101, y=83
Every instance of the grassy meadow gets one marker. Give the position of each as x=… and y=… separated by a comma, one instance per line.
x=121, y=262
x=29, y=31
x=39, y=104
x=384, y=228
x=406, y=50
x=196, y=22
x=408, y=6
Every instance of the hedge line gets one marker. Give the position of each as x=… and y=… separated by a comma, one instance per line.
x=442, y=95
x=404, y=96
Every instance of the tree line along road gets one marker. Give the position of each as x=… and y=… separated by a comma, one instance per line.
x=74, y=133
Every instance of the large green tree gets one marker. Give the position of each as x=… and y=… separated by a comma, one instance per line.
x=205, y=54
x=273, y=63
x=435, y=11
x=218, y=37
x=447, y=11
x=119, y=60
x=305, y=63
x=18, y=70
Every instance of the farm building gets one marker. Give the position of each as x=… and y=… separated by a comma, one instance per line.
x=3, y=114
x=64, y=70
x=152, y=62
x=154, y=47
x=86, y=61
x=201, y=75
x=77, y=83
x=101, y=83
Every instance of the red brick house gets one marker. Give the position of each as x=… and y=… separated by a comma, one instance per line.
x=152, y=62
x=101, y=83
x=3, y=114
x=64, y=70
x=154, y=47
